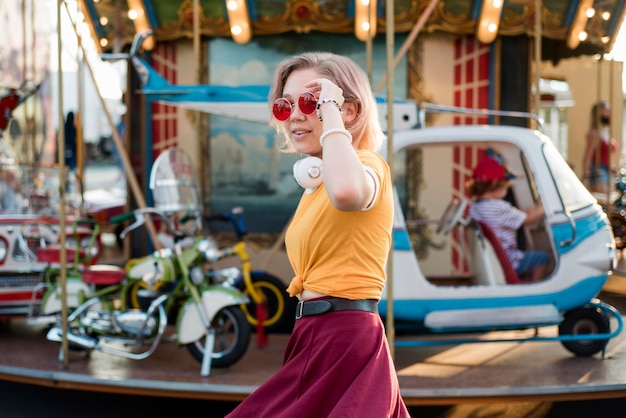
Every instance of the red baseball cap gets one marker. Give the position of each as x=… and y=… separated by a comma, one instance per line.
x=489, y=169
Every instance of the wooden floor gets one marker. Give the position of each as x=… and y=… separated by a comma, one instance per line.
x=428, y=375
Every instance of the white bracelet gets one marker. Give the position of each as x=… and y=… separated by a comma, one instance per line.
x=342, y=131
x=321, y=102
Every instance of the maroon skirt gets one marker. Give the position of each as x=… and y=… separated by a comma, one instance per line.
x=335, y=365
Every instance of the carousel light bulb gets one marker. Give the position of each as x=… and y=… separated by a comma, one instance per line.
x=365, y=19
x=489, y=21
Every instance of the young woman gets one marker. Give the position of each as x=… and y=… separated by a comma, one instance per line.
x=597, y=164
x=337, y=361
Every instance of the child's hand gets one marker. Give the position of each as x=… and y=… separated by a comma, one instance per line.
x=534, y=213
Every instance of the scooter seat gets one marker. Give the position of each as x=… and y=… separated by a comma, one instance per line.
x=52, y=254
x=103, y=274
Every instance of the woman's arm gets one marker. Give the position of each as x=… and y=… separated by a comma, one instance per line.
x=350, y=188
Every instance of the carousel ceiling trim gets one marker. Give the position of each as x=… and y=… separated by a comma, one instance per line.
x=588, y=26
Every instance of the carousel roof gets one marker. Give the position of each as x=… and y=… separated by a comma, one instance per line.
x=568, y=27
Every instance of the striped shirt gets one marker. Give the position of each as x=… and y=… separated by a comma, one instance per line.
x=504, y=219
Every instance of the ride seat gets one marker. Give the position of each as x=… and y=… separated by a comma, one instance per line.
x=103, y=274
x=484, y=265
x=510, y=275
x=52, y=254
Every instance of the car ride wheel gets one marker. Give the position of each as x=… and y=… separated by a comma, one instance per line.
x=587, y=320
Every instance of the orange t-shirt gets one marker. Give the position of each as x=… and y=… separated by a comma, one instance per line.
x=342, y=254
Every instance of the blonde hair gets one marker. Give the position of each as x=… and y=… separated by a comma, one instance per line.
x=347, y=75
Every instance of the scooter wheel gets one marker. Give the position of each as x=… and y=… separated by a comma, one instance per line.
x=232, y=337
x=581, y=321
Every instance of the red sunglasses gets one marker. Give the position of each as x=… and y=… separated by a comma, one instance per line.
x=282, y=107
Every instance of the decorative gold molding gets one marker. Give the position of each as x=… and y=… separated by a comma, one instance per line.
x=404, y=21
x=420, y=234
x=415, y=72
x=303, y=16
x=516, y=21
x=444, y=19
x=183, y=27
x=332, y=16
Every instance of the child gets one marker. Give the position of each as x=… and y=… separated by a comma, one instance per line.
x=489, y=186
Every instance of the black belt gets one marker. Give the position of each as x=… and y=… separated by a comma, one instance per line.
x=321, y=306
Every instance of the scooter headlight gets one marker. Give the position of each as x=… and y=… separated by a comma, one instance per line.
x=164, y=253
x=209, y=250
x=226, y=276
x=196, y=275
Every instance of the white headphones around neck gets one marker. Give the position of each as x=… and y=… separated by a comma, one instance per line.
x=308, y=173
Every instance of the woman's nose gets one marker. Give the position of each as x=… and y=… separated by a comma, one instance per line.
x=296, y=113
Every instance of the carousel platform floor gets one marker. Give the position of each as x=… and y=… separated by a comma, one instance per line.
x=432, y=375
x=428, y=375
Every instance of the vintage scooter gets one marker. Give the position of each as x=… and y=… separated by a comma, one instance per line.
x=451, y=275
x=170, y=283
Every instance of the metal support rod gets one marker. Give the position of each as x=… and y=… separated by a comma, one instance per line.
x=391, y=331
x=609, y=180
x=207, y=357
x=200, y=132
x=597, y=115
x=80, y=143
x=61, y=157
x=119, y=145
x=409, y=40
x=369, y=44
x=538, y=35
x=30, y=130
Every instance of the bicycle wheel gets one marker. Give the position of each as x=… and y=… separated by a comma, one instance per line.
x=280, y=312
x=232, y=337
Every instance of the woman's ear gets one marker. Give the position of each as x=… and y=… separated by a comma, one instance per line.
x=350, y=112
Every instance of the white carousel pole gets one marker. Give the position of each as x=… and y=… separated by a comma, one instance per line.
x=61, y=165
x=538, y=35
x=409, y=40
x=391, y=331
